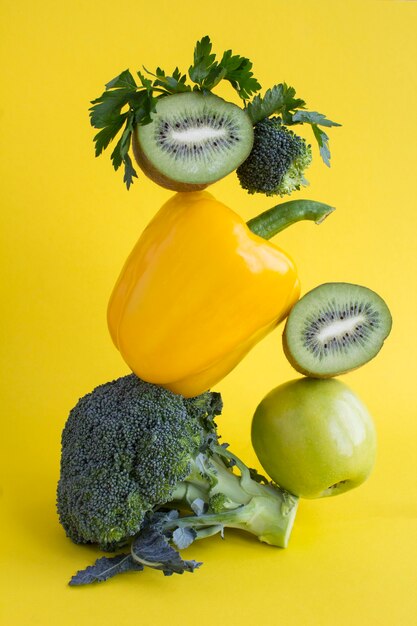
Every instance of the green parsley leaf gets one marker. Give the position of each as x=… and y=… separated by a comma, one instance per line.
x=316, y=120
x=108, y=107
x=106, y=114
x=323, y=142
x=207, y=72
x=145, y=82
x=279, y=100
x=121, y=152
x=143, y=104
x=239, y=74
x=170, y=84
x=312, y=117
x=204, y=62
x=291, y=104
x=124, y=80
x=216, y=74
x=108, y=133
x=129, y=171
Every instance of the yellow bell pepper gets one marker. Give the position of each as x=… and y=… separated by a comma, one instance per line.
x=200, y=289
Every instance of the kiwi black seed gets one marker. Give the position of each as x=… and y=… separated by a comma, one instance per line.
x=193, y=140
x=335, y=328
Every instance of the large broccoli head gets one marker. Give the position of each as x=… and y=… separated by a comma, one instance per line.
x=125, y=447
x=277, y=162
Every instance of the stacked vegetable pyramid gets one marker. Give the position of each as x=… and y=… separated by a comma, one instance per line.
x=141, y=462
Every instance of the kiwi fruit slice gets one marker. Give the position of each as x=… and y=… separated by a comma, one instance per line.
x=193, y=140
x=335, y=328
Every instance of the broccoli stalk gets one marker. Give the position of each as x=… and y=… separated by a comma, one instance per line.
x=135, y=454
x=235, y=501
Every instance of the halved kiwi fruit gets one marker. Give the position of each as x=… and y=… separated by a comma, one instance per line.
x=335, y=328
x=193, y=140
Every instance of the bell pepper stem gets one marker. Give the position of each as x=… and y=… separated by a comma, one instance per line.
x=273, y=221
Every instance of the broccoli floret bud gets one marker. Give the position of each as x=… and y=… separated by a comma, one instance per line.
x=277, y=162
x=125, y=447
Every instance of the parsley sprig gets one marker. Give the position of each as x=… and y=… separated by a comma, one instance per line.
x=128, y=102
x=206, y=72
x=281, y=100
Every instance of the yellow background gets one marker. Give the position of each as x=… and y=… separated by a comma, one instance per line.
x=67, y=226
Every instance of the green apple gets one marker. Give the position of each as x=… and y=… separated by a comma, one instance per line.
x=314, y=437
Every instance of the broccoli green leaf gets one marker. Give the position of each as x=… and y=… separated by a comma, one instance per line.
x=184, y=537
x=257, y=477
x=151, y=547
x=198, y=506
x=105, y=568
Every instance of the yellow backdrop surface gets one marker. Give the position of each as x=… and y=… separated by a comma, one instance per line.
x=67, y=226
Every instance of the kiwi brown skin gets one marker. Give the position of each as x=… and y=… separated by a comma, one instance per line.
x=155, y=175
x=305, y=372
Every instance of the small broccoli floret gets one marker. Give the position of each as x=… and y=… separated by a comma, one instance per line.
x=133, y=455
x=125, y=447
x=277, y=162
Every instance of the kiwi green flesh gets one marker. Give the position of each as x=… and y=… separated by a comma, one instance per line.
x=160, y=179
x=193, y=139
x=335, y=328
